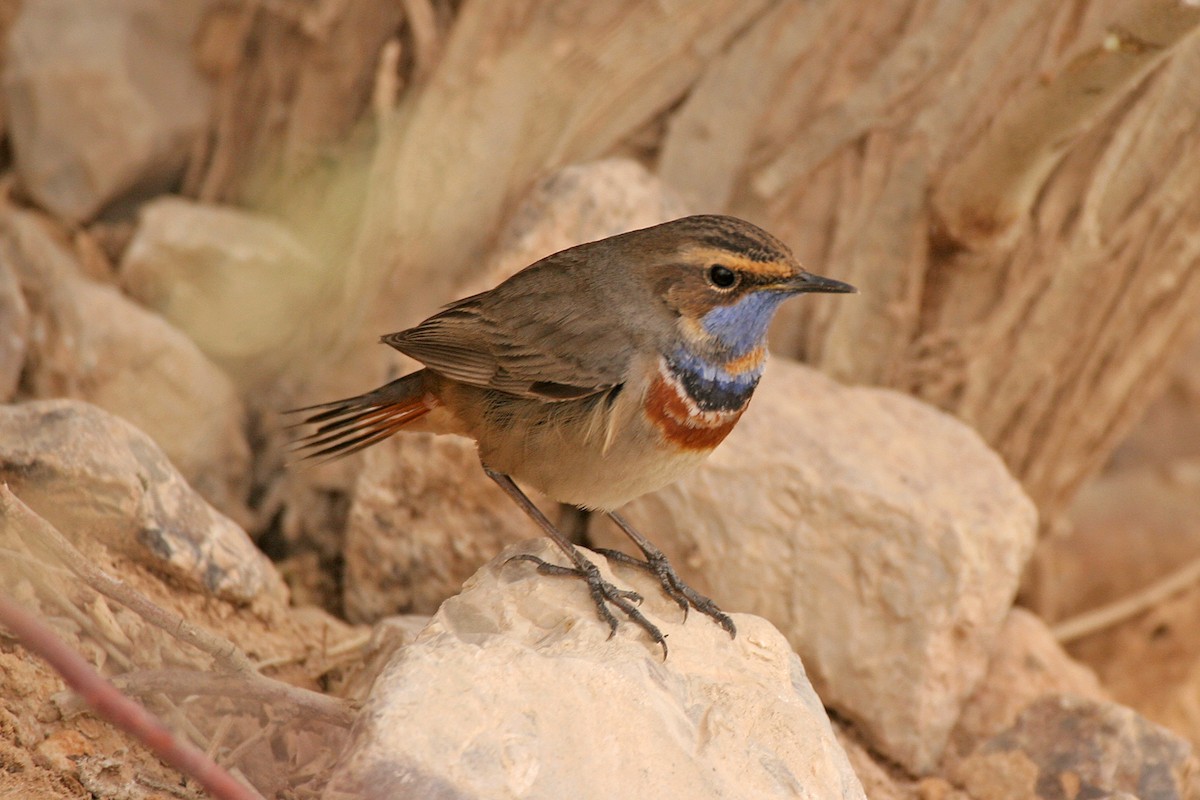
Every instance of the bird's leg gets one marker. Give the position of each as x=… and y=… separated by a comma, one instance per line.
x=601, y=590
x=573, y=523
x=656, y=563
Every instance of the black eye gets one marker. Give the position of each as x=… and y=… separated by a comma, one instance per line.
x=722, y=277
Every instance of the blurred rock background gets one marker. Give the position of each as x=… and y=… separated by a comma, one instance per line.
x=212, y=209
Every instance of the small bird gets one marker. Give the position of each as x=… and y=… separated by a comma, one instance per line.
x=598, y=374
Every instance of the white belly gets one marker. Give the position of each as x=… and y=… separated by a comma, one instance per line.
x=606, y=480
x=588, y=456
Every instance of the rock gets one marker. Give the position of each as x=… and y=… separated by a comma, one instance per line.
x=580, y=203
x=423, y=519
x=387, y=636
x=1151, y=662
x=90, y=342
x=877, y=783
x=515, y=689
x=103, y=99
x=882, y=536
x=14, y=331
x=234, y=281
x=1028, y=663
x=91, y=474
x=1069, y=747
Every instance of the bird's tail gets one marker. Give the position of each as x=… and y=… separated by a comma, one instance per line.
x=347, y=426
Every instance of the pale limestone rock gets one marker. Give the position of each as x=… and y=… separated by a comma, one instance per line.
x=102, y=98
x=1027, y=664
x=580, y=203
x=93, y=475
x=1064, y=746
x=423, y=519
x=877, y=783
x=387, y=636
x=234, y=281
x=515, y=690
x=882, y=536
x=90, y=342
x=14, y=331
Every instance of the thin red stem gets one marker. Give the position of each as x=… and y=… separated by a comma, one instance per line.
x=117, y=708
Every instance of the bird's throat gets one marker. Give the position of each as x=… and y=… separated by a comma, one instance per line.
x=717, y=386
x=742, y=326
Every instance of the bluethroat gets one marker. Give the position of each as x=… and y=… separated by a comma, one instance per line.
x=597, y=374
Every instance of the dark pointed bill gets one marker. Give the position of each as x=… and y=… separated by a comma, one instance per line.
x=807, y=282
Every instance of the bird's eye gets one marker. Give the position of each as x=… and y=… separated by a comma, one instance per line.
x=722, y=277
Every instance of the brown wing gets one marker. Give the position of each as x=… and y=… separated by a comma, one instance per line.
x=546, y=333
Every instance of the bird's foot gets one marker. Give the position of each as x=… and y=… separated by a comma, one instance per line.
x=685, y=597
x=603, y=593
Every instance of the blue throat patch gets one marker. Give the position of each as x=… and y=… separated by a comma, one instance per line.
x=708, y=384
x=742, y=326
x=736, y=330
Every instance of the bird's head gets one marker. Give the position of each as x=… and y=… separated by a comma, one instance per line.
x=725, y=278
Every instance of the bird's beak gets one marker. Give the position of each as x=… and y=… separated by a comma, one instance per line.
x=807, y=282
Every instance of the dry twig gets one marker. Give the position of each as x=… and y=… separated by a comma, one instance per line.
x=117, y=708
x=238, y=677
x=283, y=698
x=1106, y=616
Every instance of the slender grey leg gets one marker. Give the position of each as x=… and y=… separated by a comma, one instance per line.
x=601, y=590
x=656, y=563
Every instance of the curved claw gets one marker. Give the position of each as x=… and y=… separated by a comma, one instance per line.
x=544, y=567
x=601, y=590
x=603, y=593
x=624, y=558
x=684, y=596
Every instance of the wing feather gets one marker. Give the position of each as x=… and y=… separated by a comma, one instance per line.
x=546, y=333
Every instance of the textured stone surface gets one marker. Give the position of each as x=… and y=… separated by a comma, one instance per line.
x=91, y=474
x=387, y=636
x=877, y=783
x=102, y=98
x=515, y=690
x=1027, y=664
x=882, y=536
x=1069, y=747
x=235, y=282
x=14, y=331
x=90, y=342
x=423, y=518
x=577, y=204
